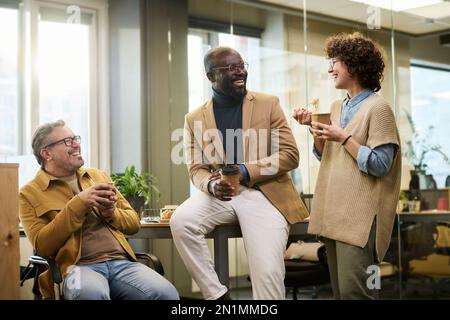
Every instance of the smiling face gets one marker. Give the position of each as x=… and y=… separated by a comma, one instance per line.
x=224, y=80
x=62, y=160
x=339, y=72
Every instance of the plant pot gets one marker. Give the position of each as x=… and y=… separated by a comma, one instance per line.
x=402, y=205
x=137, y=203
x=418, y=180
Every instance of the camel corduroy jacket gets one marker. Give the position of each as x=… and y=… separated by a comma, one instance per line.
x=53, y=217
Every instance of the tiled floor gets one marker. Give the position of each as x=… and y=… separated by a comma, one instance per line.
x=389, y=291
x=321, y=292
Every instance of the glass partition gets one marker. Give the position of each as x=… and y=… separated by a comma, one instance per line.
x=423, y=98
x=286, y=59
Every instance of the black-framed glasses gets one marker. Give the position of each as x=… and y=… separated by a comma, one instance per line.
x=67, y=141
x=234, y=67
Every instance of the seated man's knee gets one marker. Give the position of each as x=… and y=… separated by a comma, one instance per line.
x=86, y=292
x=160, y=289
x=94, y=294
x=267, y=274
x=167, y=292
x=82, y=283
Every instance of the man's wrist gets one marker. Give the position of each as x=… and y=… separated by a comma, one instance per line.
x=211, y=185
x=246, y=176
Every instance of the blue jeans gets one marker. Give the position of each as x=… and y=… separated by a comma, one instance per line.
x=117, y=279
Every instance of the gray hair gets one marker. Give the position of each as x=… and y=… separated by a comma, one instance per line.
x=40, y=138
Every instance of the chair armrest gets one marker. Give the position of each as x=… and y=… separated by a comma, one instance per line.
x=48, y=263
x=151, y=259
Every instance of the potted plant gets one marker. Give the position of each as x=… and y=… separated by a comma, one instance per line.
x=136, y=188
x=402, y=201
x=417, y=150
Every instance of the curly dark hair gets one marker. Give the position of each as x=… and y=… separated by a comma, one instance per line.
x=363, y=58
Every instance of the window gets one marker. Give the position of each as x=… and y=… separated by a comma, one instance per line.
x=199, y=42
x=53, y=66
x=430, y=91
x=64, y=73
x=273, y=71
x=9, y=139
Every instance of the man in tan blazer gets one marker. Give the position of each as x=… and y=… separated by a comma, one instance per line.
x=250, y=131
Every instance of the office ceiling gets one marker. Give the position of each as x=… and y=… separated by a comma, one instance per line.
x=430, y=19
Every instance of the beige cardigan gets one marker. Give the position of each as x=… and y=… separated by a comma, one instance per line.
x=346, y=200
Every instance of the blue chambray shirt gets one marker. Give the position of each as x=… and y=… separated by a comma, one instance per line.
x=376, y=162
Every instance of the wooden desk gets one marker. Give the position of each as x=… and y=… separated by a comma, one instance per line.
x=428, y=216
x=9, y=237
x=220, y=235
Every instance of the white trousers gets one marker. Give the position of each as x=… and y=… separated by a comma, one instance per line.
x=264, y=230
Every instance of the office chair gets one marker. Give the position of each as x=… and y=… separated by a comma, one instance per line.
x=37, y=265
x=301, y=273
x=444, y=248
x=417, y=242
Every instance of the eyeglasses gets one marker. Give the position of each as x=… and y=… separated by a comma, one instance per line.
x=234, y=67
x=332, y=62
x=67, y=141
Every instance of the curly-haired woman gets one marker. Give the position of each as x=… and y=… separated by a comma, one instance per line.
x=359, y=178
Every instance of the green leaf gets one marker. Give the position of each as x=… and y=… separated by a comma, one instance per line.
x=133, y=184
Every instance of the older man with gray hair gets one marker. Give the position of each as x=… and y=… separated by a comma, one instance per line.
x=77, y=217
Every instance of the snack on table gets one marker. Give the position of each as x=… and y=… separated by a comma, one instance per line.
x=166, y=213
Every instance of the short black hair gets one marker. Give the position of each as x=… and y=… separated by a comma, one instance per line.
x=212, y=54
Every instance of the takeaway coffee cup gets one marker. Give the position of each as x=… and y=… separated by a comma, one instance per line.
x=230, y=174
x=321, y=117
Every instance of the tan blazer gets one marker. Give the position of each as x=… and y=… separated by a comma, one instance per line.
x=52, y=218
x=270, y=151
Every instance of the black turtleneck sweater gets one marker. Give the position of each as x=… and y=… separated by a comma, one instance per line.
x=228, y=115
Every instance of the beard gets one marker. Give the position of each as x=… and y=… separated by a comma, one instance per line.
x=75, y=164
x=237, y=93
